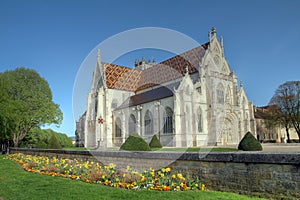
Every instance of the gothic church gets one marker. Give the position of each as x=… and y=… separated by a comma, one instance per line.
x=191, y=99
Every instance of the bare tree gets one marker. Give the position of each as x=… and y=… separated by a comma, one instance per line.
x=287, y=98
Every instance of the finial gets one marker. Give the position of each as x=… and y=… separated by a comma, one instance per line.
x=186, y=70
x=241, y=84
x=154, y=61
x=213, y=30
x=222, y=41
x=136, y=63
x=143, y=59
x=99, y=56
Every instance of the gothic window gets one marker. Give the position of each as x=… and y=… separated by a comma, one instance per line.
x=132, y=124
x=187, y=119
x=168, y=121
x=96, y=106
x=199, y=90
x=228, y=95
x=118, y=130
x=220, y=94
x=148, y=123
x=114, y=104
x=199, y=121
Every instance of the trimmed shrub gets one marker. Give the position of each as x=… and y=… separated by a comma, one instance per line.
x=135, y=143
x=249, y=143
x=155, y=143
x=53, y=143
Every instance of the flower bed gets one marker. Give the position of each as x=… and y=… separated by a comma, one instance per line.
x=93, y=172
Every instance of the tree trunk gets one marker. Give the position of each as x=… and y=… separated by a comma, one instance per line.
x=288, y=134
x=16, y=140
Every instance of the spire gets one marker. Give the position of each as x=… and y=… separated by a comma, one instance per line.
x=143, y=59
x=213, y=31
x=222, y=41
x=186, y=70
x=99, y=56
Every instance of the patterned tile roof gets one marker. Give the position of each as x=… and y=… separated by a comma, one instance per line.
x=124, y=78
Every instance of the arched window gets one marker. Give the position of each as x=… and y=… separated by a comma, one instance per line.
x=199, y=120
x=148, y=123
x=220, y=94
x=187, y=120
x=168, y=121
x=132, y=124
x=118, y=129
x=228, y=96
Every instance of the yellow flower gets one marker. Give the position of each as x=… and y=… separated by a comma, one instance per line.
x=168, y=169
x=180, y=176
x=152, y=172
x=202, y=187
x=174, y=176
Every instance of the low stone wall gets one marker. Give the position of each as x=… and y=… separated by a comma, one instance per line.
x=271, y=175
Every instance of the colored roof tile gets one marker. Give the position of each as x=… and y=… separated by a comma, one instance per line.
x=124, y=78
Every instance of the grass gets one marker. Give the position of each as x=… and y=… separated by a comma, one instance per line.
x=18, y=184
x=198, y=149
x=76, y=148
x=190, y=149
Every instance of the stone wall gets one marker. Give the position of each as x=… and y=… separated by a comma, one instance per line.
x=271, y=175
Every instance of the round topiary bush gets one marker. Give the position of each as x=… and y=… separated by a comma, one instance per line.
x=135, y=143
x=249, y=143
x=155, y=143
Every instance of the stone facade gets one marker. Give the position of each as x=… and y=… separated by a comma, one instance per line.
x=79, y=133
x=192, y=99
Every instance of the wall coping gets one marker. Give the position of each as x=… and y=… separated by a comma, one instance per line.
x=235, y=157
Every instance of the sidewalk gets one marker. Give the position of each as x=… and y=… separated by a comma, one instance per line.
x=279, y=147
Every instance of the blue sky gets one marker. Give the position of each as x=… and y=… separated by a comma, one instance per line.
x=261, y=38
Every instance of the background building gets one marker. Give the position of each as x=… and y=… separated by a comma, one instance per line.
x=268, y=130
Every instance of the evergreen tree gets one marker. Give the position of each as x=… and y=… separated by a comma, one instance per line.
x=53, y=143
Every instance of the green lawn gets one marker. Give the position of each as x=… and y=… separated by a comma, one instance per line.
x=190, y=149
x=76, y=148
x=171, y=149
x=198, y=149
x=16, y=184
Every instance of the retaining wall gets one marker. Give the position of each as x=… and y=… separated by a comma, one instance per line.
x=270, y=175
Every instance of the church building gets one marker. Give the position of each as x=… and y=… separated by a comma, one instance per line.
x=191, y=99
